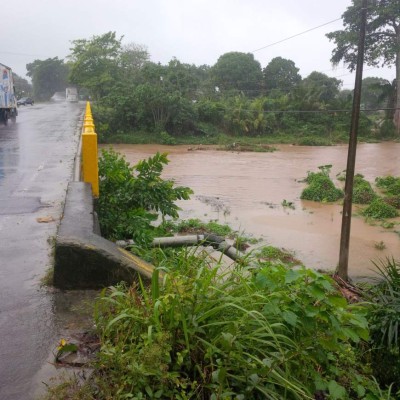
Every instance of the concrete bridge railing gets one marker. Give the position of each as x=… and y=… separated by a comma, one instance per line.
x=83, y=258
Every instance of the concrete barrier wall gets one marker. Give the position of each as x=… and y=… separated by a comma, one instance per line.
x=84, y=259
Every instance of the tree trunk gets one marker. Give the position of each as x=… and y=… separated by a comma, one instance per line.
x=396, y=118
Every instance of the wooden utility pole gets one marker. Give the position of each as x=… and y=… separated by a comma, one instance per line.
x=342, y=270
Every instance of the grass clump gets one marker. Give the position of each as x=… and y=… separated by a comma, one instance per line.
x=320, y=186
x=197, y=226
x=275, y=254
x=379, y=209
x=268, y=332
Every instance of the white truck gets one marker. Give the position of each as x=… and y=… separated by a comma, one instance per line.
x=71, y=94
x=8, y=101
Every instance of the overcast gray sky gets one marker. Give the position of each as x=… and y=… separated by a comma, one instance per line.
x=194, y=31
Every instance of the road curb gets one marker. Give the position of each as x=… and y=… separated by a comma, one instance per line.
x=84, y=259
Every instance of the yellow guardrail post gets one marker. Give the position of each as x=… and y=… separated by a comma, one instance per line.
x=90, y=168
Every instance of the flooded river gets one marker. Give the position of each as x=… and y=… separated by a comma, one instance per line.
x=246, y=190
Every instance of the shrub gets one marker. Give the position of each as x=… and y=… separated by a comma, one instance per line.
x=167, y=139
x=378, y=209
x=131, y=198
x=362, y=191
x=321, y=187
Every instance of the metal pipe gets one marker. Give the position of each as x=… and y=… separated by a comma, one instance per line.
x=217, y=242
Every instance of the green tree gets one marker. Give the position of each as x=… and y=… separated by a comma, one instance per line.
x=236, y=71
x=318, y=90
x=374, y=92
x=48, y=76
x=22, y=86
x=382, y=44
x=281, y=74
x=134, y=56
x=95, y=63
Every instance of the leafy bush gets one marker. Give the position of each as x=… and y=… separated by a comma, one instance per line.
x=362, y=191
x=271, y=333
x=133, y=197
x=167, y=139
x=321, y=187
x=379, y=209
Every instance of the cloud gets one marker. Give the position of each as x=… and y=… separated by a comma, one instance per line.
x=194, y=31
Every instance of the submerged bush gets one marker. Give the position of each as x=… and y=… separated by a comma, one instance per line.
x=321, y=187
x=379, y=209
x=362, y=191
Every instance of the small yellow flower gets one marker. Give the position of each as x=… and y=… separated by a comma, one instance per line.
x=63, y=342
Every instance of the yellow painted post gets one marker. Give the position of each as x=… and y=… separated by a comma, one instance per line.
x=89, y=152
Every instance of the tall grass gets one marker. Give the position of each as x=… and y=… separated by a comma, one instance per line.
x=269, y=332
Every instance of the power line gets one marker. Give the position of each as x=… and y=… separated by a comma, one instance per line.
x=21, y=54
x=297, y=34
x=315, y=111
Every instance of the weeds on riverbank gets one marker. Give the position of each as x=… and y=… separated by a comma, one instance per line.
x=269, y=332
x=265, y=331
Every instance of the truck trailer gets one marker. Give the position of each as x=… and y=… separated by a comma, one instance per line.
x=8, y=101
x=71, y=94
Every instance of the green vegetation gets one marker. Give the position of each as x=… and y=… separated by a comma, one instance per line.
x=390, y=184
x=384, y=320
x=379, y=209
x=288, y=204
x=275, y=254
x=266, y=328
x=320, y=186
x=197, y=226
x=206, y=335
x=48, y=76
x=139, y=101
x=131, y=198
x=362, y=191
x=381, y=47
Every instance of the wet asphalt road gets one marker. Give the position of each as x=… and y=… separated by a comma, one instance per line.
x=36, y=163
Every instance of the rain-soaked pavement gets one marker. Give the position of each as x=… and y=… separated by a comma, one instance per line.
x=36, y=162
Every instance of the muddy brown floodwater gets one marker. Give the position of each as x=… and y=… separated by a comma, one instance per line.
x=246, y=190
